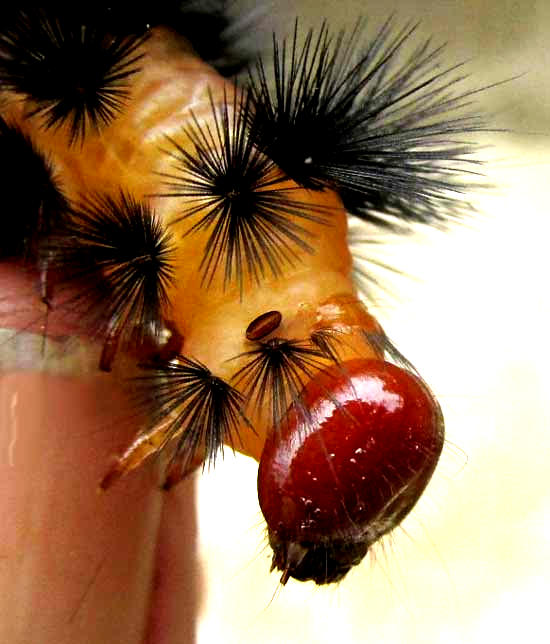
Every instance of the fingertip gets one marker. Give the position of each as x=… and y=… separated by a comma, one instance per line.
x=77, y=566
x=178, y=581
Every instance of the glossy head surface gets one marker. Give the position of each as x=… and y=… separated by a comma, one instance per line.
x=347, y=466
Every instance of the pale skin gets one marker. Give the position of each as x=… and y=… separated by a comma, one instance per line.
x=79, y=565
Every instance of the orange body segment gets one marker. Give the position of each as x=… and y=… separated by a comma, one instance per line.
x=173, y=89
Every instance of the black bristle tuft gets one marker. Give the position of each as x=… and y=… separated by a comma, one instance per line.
x=203, y=412
x=328, y=341
x=71, y=71
x=215, y=29
x=385, y=347
x=116, y=256
x=236, y=193
x=384, y=134
x=277, y=369
x=32, y=201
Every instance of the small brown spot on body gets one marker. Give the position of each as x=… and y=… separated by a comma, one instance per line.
x=263, y=325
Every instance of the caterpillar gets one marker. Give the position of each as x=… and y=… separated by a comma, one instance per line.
x=196, y=223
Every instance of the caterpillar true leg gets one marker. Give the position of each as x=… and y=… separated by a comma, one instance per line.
x=189, y=207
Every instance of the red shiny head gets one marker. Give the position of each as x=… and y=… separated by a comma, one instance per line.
x=347, y=466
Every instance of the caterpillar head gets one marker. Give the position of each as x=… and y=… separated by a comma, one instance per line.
x=346, y=466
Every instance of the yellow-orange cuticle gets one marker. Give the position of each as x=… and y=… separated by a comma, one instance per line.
x=172, y=87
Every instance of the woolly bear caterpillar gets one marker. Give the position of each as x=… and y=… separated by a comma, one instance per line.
x=201, y=227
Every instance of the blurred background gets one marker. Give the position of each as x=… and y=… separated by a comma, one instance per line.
x=472, y=562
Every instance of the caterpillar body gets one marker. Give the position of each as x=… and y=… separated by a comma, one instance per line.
x=199, y=226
